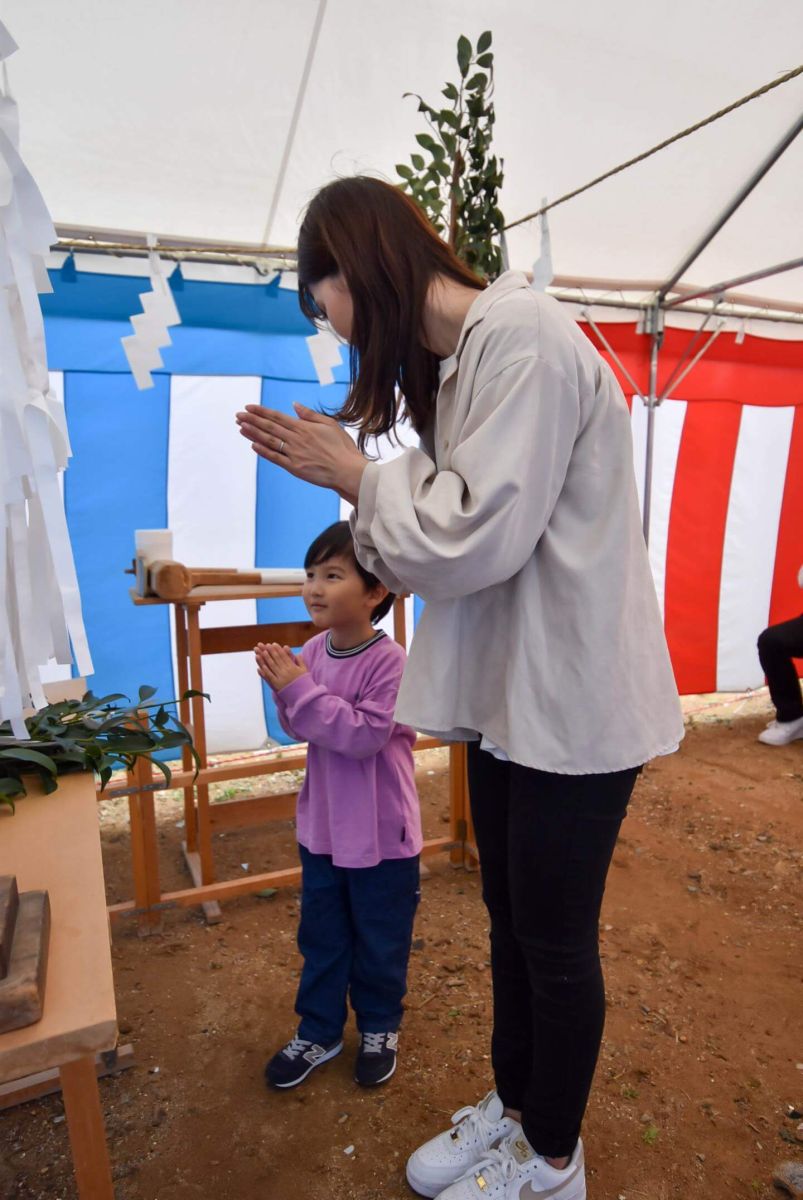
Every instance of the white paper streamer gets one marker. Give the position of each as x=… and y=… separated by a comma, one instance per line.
x=40, y=607
x=281, y=574
x=324, y=349
x=150, y=326
x=543, y=272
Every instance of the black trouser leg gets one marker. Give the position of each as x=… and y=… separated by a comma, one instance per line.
x=545, y=843
x=777, y=646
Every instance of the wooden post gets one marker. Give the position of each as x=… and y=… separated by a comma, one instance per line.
x=144, y=847
x=184, y=710
x=458, y=801
x=199, y=738
x=79, y=1087
x=201, y=862
x=471, y=859
x=400, y=621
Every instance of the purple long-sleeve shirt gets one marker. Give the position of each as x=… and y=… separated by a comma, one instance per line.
x=359, y=801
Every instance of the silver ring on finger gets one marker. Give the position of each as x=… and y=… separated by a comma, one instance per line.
x=281, y=447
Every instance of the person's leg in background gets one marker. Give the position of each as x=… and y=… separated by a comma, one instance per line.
x=777, y=647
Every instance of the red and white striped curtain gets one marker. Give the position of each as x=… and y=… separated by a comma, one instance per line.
x=726, y=528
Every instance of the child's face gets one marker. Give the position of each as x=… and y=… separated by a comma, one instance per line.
x=336, y=595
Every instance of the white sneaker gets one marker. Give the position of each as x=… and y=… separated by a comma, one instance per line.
x=516, y=1172
x=443, y=1159
x=781, y=733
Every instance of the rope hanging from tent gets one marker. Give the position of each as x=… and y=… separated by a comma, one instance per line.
x=723, y=112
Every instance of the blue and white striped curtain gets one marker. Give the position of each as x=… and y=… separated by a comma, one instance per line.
x=171, y=457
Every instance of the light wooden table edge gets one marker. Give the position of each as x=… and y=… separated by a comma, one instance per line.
x=28, y=1060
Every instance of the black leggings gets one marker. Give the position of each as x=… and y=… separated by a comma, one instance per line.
x=777, y=646
x=545, y=843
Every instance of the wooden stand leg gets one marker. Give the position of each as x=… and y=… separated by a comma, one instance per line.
x=201, y=863
x=400, y=621
x=199, y=737
x=212, y=910
x=90, y=1154
x=184, y=712
x=458, y=801
x=144, y=848
x=471, y=859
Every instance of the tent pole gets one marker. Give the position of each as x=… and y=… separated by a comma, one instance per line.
x=585, y=316
x=291, y=133
x=678, y=376
x=655, y=324
x=718, y=289
x=691, y=346
x=731, y=208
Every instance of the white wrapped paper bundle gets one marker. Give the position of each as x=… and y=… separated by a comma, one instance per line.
x=40, y=608
x=282, y=574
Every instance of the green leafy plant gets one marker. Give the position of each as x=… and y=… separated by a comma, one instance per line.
x=458, y=187
x=92, y=734
x=650, y=1135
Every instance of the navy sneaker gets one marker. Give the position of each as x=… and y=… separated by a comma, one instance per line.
x=376, y=1060
x=293, y=1063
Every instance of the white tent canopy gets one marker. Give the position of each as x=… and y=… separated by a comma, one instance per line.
x=174, y=118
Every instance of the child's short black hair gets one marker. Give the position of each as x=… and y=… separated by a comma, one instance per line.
x=337, y=540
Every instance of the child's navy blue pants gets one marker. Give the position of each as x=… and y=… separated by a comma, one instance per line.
x=355, y=934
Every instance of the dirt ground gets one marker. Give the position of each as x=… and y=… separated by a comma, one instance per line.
x=703, y=1054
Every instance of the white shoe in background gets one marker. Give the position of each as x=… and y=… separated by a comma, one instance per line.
x=781, y=733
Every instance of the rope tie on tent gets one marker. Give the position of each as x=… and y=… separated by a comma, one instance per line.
x=723, y=112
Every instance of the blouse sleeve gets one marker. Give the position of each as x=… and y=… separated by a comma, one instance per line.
x=448, y=533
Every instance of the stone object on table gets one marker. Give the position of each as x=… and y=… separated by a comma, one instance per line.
x=22, y=991
x=9, y=904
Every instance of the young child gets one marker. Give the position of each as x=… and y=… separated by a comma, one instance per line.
x=358, y=821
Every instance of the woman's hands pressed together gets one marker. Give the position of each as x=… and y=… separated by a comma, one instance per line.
x=312, y=447
x=277, y=665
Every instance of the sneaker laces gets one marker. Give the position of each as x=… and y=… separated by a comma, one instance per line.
x=373, y=1043
x=497, y=1166
x=472, y=1119
x=295, y=1047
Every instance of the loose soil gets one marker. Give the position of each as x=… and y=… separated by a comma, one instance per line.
x=702, y=1056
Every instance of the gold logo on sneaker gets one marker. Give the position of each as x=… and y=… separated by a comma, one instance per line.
x=523, y=1150
x=480, y=1182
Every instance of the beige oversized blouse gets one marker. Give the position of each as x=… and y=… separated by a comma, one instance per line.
x=517, y=521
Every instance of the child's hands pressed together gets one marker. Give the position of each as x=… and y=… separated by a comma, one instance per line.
x=277, y=665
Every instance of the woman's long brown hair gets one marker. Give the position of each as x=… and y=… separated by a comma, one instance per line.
x=388, y=254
